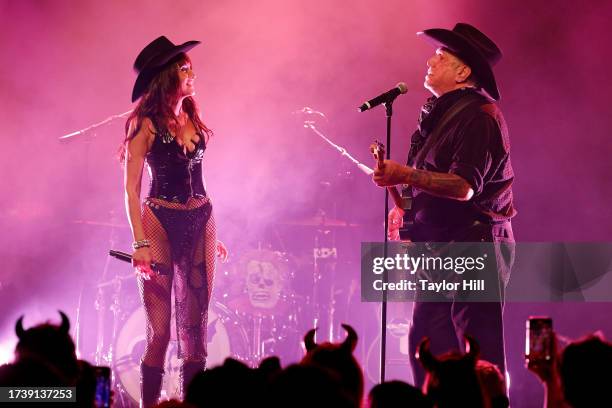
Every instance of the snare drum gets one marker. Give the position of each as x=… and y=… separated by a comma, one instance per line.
x=226, y=338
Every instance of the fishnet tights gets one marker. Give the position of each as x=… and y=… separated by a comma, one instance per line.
x=183, y=242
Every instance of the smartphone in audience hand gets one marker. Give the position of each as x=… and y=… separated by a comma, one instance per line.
x=103, y=387
x=539, y=339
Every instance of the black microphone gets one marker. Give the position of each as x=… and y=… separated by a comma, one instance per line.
x=125, y=257
x=388, y=96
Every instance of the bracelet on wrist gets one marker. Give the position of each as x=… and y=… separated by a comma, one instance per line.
x=141, y=243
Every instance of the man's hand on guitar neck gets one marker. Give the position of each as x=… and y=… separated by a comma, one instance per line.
x=390, y=173
x=444, y=185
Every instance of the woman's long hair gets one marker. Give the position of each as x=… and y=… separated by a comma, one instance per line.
x=158, y=103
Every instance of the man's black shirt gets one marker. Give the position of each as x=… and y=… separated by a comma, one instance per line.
x=473, y=145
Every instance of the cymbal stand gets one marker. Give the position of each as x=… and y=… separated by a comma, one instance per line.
x=115, y=309
x=258, y=351
x=100, y=357
x=100, y=307
x=324, y=261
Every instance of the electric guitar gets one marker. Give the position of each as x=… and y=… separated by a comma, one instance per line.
x=401, y=200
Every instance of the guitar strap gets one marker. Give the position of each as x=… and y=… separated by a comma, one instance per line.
x=435, y=136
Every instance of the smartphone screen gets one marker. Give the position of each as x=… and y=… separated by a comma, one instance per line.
x=538, y=339
x=103, y=387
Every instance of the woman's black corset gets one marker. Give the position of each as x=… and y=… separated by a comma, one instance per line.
x=175, y=176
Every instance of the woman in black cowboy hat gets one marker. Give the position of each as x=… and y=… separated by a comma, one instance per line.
x=174, y=227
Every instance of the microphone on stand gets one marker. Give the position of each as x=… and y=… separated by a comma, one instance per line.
x=386, y=97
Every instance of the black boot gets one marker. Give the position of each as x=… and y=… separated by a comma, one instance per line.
x=150, y=385
x=190, y=369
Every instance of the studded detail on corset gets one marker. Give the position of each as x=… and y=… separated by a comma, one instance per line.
x=175, y=175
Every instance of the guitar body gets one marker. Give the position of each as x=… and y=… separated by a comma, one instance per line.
x=407, y=219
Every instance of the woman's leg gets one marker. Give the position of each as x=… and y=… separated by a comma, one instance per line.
x=193, y=289
x=155, y=296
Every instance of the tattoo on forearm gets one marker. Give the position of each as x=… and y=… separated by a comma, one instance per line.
x=420, y=179
x=444, y=185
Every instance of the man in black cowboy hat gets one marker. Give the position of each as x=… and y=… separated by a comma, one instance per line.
x=459, y=178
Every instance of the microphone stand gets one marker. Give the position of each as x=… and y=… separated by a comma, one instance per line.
x=94, y=126
x=385, y=275
x=309, y=124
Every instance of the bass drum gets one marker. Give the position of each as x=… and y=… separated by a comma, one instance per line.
x=226, y=338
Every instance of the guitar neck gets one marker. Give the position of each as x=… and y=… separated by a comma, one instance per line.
x=378, y=151
x=395, y=196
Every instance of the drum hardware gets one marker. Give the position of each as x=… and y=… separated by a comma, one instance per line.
x=325, y=256
x=115, y=309
x=263, y=298
x=325, y=253
x=258, y=352
x=398, y=358
x=100, y=307
x=106, y=357
x=102, y=356
x=271, y=335
x=324, y=259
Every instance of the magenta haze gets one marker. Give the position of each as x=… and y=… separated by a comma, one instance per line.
x=68, y=64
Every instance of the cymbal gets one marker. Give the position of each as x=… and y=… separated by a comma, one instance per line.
x=320, y=221
x=100, y=224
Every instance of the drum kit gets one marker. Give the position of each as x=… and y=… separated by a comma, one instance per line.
x=263, y=302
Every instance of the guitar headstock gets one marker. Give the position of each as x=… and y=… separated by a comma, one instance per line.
x=378, y=151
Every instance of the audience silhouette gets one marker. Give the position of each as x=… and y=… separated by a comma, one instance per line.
x=329, y=375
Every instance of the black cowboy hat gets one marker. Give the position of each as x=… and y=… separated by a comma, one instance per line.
x=474, y=48
x=152, y=59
